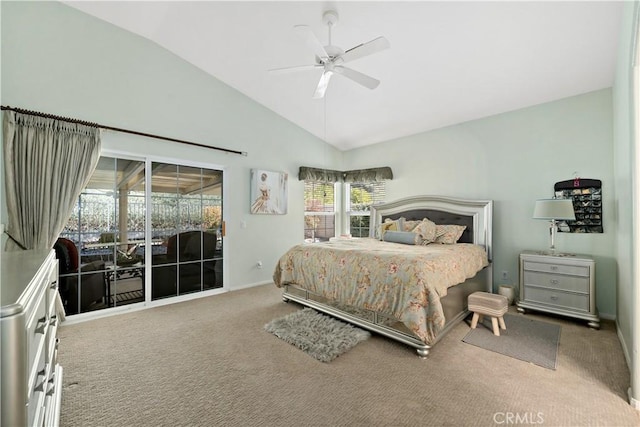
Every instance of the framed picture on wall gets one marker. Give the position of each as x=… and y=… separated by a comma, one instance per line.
x=268, y=192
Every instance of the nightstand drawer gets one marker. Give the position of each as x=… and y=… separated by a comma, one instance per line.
x=574, y=270
x=557, y=281
x=557, y=298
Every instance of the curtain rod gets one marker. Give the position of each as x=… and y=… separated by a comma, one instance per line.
x=133, y=132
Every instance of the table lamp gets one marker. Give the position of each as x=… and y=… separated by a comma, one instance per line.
x=554, y=210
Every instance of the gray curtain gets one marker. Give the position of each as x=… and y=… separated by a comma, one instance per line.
x=47, y=164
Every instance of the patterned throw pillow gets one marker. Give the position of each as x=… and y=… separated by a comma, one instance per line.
x=390, y=225
x=410, y=225
x=427, y=231
x=449, y=234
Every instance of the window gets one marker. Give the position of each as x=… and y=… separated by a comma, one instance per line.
x=360, y=198
x=319, y=211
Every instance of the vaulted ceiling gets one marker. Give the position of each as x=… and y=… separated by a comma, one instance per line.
x=449, y=61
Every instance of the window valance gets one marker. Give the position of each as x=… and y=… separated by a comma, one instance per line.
x=368, y=175
x=321, y=175
x=359, y=175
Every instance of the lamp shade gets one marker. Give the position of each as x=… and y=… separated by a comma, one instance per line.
x=554, y=209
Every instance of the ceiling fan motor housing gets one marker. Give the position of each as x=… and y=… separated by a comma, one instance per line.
x=330, y=17
x=334, y=53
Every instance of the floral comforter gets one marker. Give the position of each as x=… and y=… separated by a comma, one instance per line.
x=403, y=281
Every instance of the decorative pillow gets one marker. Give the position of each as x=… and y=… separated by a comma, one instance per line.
x=449, y=234
x=390, y=225
x=404, y=237
x=410, y=225
x=427, y=231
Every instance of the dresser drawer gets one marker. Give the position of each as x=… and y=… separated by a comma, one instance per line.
x=557, y=281
x=52, y=399
x=38, y=371
x=52, y=344
x=35, y=409
x=36, y=331
x=557, y=298
x=29, y=345
x=575, y=270
x=52, y=286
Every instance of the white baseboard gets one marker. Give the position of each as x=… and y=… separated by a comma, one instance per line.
x=635, y=404
x=625, y=349
x=250, y=285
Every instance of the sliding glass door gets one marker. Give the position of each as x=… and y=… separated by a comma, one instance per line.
x=186, y=216
x=102, y=250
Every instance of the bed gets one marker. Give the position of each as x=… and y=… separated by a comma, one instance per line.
x=414, y=294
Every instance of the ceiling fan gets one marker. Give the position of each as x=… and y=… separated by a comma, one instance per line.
x=330, y=58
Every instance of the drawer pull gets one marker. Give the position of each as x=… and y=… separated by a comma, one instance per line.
x=554, y=281
x=54, y=320
x=553, y=267
x=54, y=285
x=41, y=326
x=554, y=297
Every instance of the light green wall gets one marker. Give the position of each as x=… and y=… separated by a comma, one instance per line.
x=75, y=65
x=515, y=158
x=623, y=151
x=58, y=60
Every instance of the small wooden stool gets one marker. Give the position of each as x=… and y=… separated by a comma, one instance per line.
x=493, y=305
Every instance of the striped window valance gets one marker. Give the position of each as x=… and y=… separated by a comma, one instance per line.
x=359, y=175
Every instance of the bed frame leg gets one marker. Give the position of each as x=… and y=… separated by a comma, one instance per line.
x=423, y=353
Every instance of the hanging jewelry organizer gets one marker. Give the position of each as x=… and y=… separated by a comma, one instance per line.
x=586, y=195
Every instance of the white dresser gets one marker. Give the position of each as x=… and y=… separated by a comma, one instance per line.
x=30, y=377
x=562, y=285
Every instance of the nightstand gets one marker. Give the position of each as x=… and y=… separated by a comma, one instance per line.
x=561, y=284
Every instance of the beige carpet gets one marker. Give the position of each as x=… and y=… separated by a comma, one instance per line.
x=209, y=362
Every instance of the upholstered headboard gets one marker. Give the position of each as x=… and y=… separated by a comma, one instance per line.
x=476, y=215
x=439, y=217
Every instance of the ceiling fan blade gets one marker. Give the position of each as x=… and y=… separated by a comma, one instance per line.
x=294, y=68
x=358, y=77
x=312, y=41
x=373, y=46
x=323, y=84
